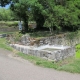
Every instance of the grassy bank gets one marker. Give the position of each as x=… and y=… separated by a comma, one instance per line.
x=71, y=64
x=3, y=44
x=74, y=64
x=8, y=23
x=39, y=61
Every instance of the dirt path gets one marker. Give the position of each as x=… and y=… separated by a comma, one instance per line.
x=15, y=68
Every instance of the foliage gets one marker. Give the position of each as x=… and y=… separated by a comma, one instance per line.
x=56, y=15
x=77, y=51
x=78, y=46
x=17, y=36
x=39, y=34
x=6, y=15
x=71, y=36
x=4, y=2
x=20, y=8
x=59, y=15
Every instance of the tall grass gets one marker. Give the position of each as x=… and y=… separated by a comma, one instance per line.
x=8, y=23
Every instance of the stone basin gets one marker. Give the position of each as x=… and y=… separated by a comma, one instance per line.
x=50, y=52
x=52, y=47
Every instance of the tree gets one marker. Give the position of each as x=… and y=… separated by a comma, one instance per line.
x=36, y=9
x=63, y=16
x=71, y=19
x=20, y=8
x=4, y=2
x=54, y=14
x=6, y=15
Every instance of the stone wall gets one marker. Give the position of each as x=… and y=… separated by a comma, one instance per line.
x=52, y=40
x=9, y=29
x=50, y=55
x=3, y=35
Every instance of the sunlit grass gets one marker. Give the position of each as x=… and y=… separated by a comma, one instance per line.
x=4, y=45
x=77, y=54
x=77, y=51
x=38, y=61
x=73, y=67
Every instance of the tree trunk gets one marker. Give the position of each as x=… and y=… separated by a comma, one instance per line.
x=25, y=20
x=26, y=25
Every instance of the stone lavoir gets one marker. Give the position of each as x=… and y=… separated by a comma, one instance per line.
x=49, y=52
x=52, y=48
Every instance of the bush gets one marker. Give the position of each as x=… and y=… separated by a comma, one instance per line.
x=77, y=51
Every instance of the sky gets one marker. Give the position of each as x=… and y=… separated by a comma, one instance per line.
x=6, y=7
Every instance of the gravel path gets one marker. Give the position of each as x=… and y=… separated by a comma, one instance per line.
x=16, y=68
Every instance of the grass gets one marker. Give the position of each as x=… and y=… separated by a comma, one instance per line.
x=40, y=34
x=71, y=64
x=7, y=32
x=77, y=51
x=4, y=45
x=8, y=23
x=74, y=64
x=73, y=67
x=38, y=61
x=77, y=54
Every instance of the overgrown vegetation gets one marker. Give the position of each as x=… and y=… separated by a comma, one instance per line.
x=17, y=36
x=73, y=36
x=40, y=34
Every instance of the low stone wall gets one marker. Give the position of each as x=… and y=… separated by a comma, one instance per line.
x=52, y=40
x=51, y=55
x=9, y=29
x=3, y=35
